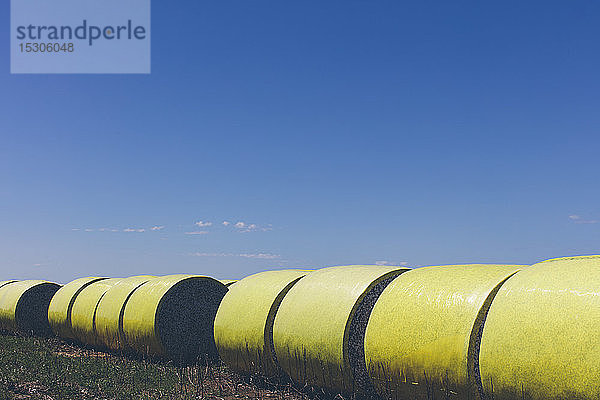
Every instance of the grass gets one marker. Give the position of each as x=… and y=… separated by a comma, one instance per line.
x=48, y=369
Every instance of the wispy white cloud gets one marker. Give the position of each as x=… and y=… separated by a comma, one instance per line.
x=247, y=227
x=390, y=263
x=203, y=224
x=154, y=228
x=239, y=226
x=578, y=220
x=134, y=230
x=264, y=256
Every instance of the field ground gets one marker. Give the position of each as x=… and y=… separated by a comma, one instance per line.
x=51, y=369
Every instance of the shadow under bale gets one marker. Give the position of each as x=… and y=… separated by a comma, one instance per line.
x=173, y=317
x=24, y=306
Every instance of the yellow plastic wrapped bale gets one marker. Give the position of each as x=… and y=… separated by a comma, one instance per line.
x=24, y=306
x=422, y=338
x=541, y=338
x=173, y=316
x=110, y=310
x=59, y=312
x=244, y=321
x=4, y=283
x=83, y=312
x=318, y=333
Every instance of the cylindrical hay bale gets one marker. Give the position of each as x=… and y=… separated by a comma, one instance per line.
x=109, y=314
x=59, y=312
x=4, y=283
x=318, y=332
x=541, y=338
x=173, y=316
x=24, y=306
x=244, y=322
x=83, y=313
x=227, y=282
x=422, y=339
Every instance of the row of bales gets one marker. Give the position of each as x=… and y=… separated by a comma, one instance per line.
x=168, y=316
x=444, y=332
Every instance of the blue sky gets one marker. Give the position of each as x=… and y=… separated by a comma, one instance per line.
x=338, y=132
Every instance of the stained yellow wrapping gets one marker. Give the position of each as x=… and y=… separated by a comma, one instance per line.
x=541, y=338
x=244, y=321
x=24, y=306
x=422, y=337
x=311, y=330
x=173, y=316
x=110, y=310
x=59, y=312
x=83, y=312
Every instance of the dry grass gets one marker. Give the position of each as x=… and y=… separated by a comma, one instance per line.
x=51, y=369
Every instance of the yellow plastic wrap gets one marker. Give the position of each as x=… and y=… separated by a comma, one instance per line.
x=3, y=283
x=24, y=306
x=83, y=312
x=59, y=312
x=422, y=338
x=110, y=310
x=541, y=338
x=173, y=316
x=312, y=334
x=244, y=321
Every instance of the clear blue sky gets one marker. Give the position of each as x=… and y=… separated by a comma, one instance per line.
x=346, y=132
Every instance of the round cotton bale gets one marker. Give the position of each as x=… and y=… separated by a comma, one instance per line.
x=541, y=338
x=4, y=283
x=318, y=333
x=59, y=312
x=24, y=306
x=83, y=312
x=244, y=321
x=110, y=310
x=422, y=339
x=173, y=316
